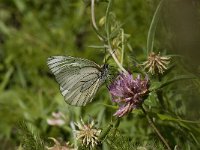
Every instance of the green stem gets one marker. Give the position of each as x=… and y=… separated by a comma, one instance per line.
x=105, y=132
x=155, y=129
x=6, y=78
x=116, y=60
x=110, y=50
x=101, y=37
x=93, y=15
x=116, y=125
x=122, y=57
x=159, y=94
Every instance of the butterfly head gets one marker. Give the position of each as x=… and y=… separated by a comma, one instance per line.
x=105, y=66
x=104, y=71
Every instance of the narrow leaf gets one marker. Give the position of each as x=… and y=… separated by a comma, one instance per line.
x=182, y=77
x=152, y=28
x=157, y=85
x=6, y=78
x=170, y=118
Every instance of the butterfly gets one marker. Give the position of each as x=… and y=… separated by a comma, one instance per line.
x=79, y=79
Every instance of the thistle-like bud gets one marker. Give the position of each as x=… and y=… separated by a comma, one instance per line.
x=156, y=64
x=87, y=134
x=102, y=21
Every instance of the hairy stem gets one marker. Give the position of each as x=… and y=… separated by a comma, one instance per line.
x=155, y=129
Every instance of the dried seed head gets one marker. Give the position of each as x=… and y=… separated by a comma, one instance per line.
x=156, y=64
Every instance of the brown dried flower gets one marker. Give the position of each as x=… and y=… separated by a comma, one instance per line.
x=156, y=64
x=58, y=146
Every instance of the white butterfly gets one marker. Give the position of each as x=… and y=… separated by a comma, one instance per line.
x=79, y=79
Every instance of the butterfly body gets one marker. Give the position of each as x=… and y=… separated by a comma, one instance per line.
x=79, y=79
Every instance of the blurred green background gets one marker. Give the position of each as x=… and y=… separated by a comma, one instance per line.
x=33, y=30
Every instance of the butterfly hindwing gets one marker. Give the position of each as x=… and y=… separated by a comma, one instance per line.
x=79, y=79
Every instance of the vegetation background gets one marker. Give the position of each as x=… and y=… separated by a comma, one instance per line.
x=33, y=30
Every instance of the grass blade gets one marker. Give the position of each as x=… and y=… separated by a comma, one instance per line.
x=152, y=28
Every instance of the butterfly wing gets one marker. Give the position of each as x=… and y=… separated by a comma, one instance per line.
x=79, y=79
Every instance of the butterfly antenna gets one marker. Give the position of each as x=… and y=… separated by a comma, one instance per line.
x=109, y=56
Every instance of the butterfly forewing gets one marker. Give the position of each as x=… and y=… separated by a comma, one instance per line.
x=79, y=79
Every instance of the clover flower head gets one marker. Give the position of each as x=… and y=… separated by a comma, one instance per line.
x=156, y=64
x=128, y=92
x=87, y=133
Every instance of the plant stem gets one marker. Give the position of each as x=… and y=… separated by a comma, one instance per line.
x=159, y=94
x=155, y=128
x=94, y=25
x=74, y=135
x=116, y=60
x=101, y=37
x=122, y=57
x=105, y=132
x=108, y=39
x=93, y=15
x=114, y=125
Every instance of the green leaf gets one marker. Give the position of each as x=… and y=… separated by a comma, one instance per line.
x=4, y=29
x=170, y=118
x=6, y=78
x=154, y=86
x=181, y=77
x=158, y=85
x=20, y=5
x=97, y=47
x=152, y=28
x=184, y=123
